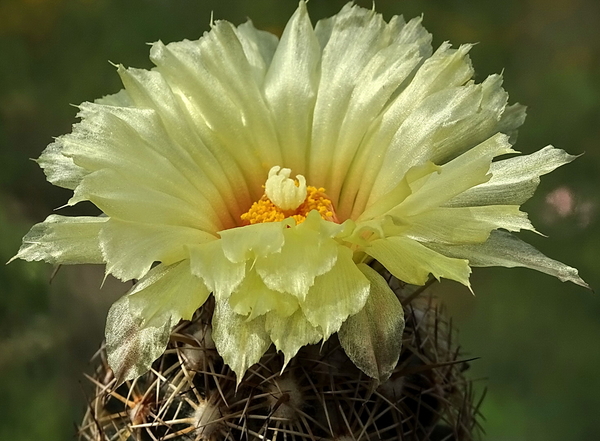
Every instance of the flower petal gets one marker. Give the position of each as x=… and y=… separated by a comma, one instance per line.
x=513, y=180
x=290, y=88
x=446, y=68
x=469, y=169
x=355, y=35
x=130, y=248
x=240, y=342
x=63, y=240
x=306, y=254
x=168, y=290
x=139, y=324
x=227, y=109
x=220, y=275
x=336, y=294
x=365, y=61
x=412, y=262
x=119, y=197
x=444, y=125
x=290, y=333
x=253, y=298
x=132, y=346
x=372, y=338
x=465, y=225
x=259, y=48
x=60, y=169
x=213, y=176
x=504, y=249
x=252, y=241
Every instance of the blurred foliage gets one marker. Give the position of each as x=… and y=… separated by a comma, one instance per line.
x=537, y=338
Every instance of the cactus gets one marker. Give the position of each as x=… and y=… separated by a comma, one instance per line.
x=190, y=394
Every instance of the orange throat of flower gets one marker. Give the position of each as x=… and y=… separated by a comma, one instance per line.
x=288, y=198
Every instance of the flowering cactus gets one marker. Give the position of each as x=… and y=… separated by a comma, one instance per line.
x=273, y=172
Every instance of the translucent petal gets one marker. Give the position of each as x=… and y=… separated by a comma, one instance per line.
x=119, y=99
x=213, y=176
x=290, y=333
x=60, y=169
x=336, y=295
x=411, y=182
x=372, y=338
x=63, y=240
x=220, y=275
x=412, y=262
x=444, y=125
x=365, y=61
x=469, y=169
x=227, y=109
x=133, y=143
x=252, y=241
x=290, y=89
x=253, y=298
x=355, y=37
x=139, y=324
x=306, y=254
x=445, y=69
x=131, y=346
x=130, y=248
x=465, y=225
x=513, y=180
x=240, y=342
x=504, y=249
x=259, y=48
x=168, y=291
x=119, y=197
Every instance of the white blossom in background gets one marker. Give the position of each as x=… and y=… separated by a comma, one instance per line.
x=271, y=173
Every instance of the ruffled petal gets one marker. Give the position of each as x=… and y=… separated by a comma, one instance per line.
x=253, y=298
x=336, y=295
x=214, y=176
x=240, y=342
x=227, y=109
x=290, y=89
x=139, y=324
x=63, y=240
x=365, y=61
x=412, y=262
x=259, y=48
x=446, y=68
x=372, y=338
x=307, y=253
x=220, y=275
x=168, y=291
x=131, y=345
x=119, y=197
x=504, y=249
x=465, y=225
x=513, y=180
x=444, y=125
x=354, y=37
x=290, y=333
x=469, y=169
x=60, y=169
x=130, y=248
x=252, y=241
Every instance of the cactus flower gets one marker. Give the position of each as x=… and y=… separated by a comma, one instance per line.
x=272, y=172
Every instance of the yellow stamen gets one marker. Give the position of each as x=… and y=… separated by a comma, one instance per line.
x=264, y=210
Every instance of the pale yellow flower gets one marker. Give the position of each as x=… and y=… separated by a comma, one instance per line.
x=271, y=173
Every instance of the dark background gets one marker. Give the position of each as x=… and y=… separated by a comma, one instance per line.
x=538, y=338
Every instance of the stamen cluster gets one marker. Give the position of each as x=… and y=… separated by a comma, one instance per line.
x=264, y=210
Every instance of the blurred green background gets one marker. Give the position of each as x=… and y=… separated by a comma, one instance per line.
x=538, y=339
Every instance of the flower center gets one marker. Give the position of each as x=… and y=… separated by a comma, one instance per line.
x=285, y=197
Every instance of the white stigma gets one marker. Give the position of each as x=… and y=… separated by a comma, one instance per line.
x=283, y=191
